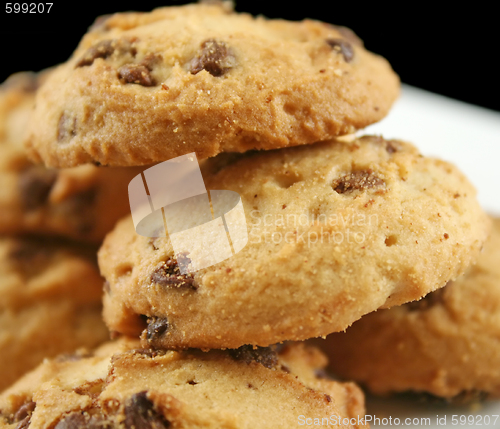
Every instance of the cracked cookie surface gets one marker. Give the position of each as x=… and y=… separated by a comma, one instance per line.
x=147, y=87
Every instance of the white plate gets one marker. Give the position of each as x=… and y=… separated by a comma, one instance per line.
x=466, y=135
x=469, y=137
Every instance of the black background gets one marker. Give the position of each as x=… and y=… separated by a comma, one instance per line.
x=451, y=51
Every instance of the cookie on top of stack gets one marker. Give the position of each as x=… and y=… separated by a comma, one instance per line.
x=389, y=225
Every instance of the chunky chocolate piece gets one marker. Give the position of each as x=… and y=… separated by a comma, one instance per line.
x=169, y=274
x=83, y=420
x=25, y=411
x=429, y=300
x=25, y=250
x=392, y=146
x=79, y=209
x=215, y=57
x=29, y=256
x=35, y=184
x=349, y=35
x=357, y=180
x=150, y=60
x=343, y=47
x=24, y=423
x=136, y=73
x=104, y=49
x=140, y=413
x=264, y=355
x=157, y=326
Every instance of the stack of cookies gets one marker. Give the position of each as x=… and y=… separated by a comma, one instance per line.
x=51, y=224
x=338, y=226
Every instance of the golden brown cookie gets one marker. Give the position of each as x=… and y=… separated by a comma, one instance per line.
x=123, y=386
x=147, y=87
x=81, y=203
x=446, y=344
x=50, y=303
x=336, y=230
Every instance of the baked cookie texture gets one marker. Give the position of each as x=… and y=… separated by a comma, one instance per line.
x=336, y=230
x=147, y=87
x=122, y=386
x=50, y=303
x=445, y=344
x=81, y=203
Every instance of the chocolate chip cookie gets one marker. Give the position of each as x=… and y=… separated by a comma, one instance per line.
x=50, y=303
x=122, y=386
x=445, y=344
x=147, y=87
x=336, y=230
x=82, y=203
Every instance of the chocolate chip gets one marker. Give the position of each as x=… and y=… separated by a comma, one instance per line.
x=430, y=300
x=284, y=368
x=29, y=256
x=104, y=49
x=24, y=423
x=136, y=73
x=342, y=46
x=263, y=355
x=25, y=411
x=393, y=146
x=66, y=128
x=151, y=60
x=215, y=57
x=140, y=413
x=322, y=374
x=79, y=419
x=25, y=250
x=157, y=326
x=349, y=35
x=35, y=184
x=169, y=274
x=79, y=210
x=357, y=180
